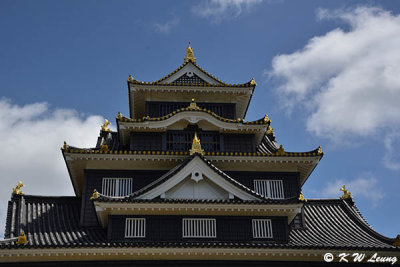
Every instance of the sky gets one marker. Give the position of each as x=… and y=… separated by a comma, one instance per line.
x=327, y=74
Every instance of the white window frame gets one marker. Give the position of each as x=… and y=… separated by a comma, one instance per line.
x=270, y=188
x=110, y=187
x=262, y=228
x=199, y=228
x=135, y=228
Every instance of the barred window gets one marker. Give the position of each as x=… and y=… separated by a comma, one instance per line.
x=269, y=188
x=262, y=228
x=199, y=228
x=116, y=187
x=135, y=227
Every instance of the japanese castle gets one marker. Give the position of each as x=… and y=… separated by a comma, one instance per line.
x=185, y=179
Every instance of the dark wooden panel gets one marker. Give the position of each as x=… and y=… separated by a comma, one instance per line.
x=239, y=143
x=144, y=141
x=169, y=228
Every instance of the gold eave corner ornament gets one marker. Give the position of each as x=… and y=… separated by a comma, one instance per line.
x=320, y=151
x=130, y=78
x=270, y=130
x=104, y=126
x=189, y=55
x=22, y=239
x=397, y=241
x=280, y=151
x=119, y=116
x=104, y=147
x=253, y=82
x=266, y=119
x=17, y=189
x=346, y=193
x=196, y=146
x=95, y=195
x=301, y=197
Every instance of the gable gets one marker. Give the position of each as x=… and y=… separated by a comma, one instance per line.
x=197, y=180
x=192, y=73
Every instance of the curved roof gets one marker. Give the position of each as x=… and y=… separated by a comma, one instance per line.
x=51, y=222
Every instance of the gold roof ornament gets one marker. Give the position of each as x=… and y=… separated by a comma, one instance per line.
x=104, y=147
x=22, y=239
x=189, y=55
x=253, y=82
x=397, y=241
x=301, y=197
x=280, y=151
x=119, y=116
x=104, y=126
x=196, y=146
x=266, y=118
x=65, y=146
x=193, y=104
x=17, y=189
x=320, y=151
x=95, y=195
x=130, y=78
x=346, y=193
x=270, y=130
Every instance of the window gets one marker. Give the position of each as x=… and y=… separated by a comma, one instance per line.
x=135, y=227
x=117, y=187
x=269, y=188
x=262, y=228
x=199, y=228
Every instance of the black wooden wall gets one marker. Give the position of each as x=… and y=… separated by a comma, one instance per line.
x=169, y=228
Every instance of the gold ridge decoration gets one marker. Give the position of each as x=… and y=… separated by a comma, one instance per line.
x=104, y=147
x=104, y=126
x=196, y=146
x=95, y=195
x=253, y=82
x=266, y=119
x=270, y=130
x=193, y=104
x=397, y=241
x=320, y=151
x=301, y=197
x=17, y=189
x=346, y=193
x=22, y=239
x=189, y=55
x=280, y=151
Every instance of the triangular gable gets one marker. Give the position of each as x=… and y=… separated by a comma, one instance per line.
x=198, y=179
x=190, y=73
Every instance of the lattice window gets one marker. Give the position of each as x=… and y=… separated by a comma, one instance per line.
x=205, y=228
x=269, y=188
x=262, y=228
x=191, y=78
x=135, y=227
x=116, y=187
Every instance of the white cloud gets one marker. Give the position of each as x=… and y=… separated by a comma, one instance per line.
x=347, y=81
x=167, y=26
x=31, y=137
x=218, y=10
x=391, y=158
x=365, y=186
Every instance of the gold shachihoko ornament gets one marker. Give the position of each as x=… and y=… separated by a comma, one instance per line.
x=346, y=193
x=196, y=146
x=17, y=189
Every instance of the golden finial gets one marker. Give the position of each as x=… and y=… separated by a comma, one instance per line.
x=320, y=151
x=130, y=78
x=119, y=116
x=196, y=146
x=104, y=126
x=65, y=146
x=22, y=239
x=346, y=193
x=189, y=55
x=266, y=119
x=17, y=189
x=193, y=104
x=280, y=151
x=270, y=130
x=253, y=82
x=104, y=147
x=301, y=197
x=95, y=195
x=397, y=241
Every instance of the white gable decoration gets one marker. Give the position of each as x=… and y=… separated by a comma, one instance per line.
x=189, y=69
x=199, y=181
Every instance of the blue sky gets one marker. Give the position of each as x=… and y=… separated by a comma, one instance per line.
x=327, y=74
